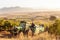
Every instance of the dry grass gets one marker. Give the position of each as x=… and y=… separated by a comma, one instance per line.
x=42, y=36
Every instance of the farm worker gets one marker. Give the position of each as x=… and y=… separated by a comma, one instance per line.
x=37, y=30
x=32, y=27
x=41, y=28
x=27, y=26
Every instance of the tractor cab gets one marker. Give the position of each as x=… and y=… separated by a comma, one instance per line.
x=23, y=24
x=41, y=27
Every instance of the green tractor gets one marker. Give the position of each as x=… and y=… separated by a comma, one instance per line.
x=17, y=29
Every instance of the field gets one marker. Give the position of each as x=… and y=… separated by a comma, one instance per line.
x=37, y=18
x=42, y=36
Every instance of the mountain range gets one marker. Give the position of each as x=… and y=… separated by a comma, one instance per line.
x=21, y=11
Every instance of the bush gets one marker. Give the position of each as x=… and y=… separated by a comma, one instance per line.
x=55, y=28
x=7, y=25
x=52, y=18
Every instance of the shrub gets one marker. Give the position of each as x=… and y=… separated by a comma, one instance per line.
x=55, y=27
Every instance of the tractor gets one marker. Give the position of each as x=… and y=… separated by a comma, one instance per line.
x=17, y=29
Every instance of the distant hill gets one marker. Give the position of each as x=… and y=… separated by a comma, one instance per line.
x=26, y=12
x=16, y=9
x=12, y=11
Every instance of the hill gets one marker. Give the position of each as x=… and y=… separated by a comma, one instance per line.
x=14, y=12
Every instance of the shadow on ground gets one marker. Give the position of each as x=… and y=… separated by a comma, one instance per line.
x=6, y=36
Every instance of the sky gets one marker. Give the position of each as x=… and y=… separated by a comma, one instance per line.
x=36, y=4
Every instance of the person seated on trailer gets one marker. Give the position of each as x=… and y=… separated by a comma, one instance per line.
x=33, y=27
x=41, y=27
x=37, y=30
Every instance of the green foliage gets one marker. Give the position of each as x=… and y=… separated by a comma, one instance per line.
x=55, y=28
x=8, y=24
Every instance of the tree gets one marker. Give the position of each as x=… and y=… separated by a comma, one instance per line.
x=52, y=17
x=7, y=25
x=55, y=27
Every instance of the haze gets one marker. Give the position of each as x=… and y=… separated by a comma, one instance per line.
x=36, y=4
